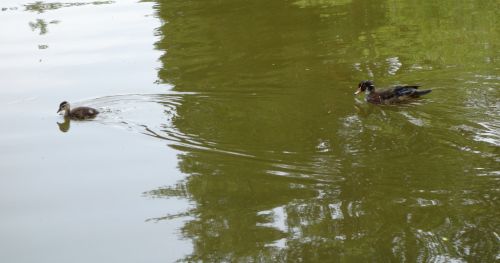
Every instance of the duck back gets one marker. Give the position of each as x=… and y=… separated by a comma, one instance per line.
x=81, y=113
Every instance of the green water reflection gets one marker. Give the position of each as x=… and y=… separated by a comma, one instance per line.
x=40, y=7
x=284, y=164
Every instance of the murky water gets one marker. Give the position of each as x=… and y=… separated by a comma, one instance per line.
x=229, y=132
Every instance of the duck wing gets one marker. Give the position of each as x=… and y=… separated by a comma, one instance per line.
x=83, y=113
x=404, y=90
x=396, y=92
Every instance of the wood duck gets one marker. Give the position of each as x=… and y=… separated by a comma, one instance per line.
x=79, y=113
x=393, y=95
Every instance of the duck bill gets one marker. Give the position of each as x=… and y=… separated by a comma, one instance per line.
x=357, y=92
x=59, y=110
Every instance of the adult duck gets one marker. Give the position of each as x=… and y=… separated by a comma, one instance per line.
x=79, y=113
x=397, y=94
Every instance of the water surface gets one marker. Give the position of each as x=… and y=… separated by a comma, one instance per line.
x=229, y=132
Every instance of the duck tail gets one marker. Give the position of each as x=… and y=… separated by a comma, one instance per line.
x=422, y=92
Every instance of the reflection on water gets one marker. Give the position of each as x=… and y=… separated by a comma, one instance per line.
x=42, y=7
x=282, y=164
x=41, y=25
x=65, y=125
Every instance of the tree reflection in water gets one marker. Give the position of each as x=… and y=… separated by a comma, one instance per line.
x=281, y=166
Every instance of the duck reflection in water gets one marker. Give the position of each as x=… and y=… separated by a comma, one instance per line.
x=64, y=126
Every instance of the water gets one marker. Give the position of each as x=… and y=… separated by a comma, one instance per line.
x=229, y=132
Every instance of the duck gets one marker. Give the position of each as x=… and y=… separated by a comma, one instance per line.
x=79, y=113
x=396, y=94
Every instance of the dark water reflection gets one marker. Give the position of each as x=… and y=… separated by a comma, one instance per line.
x=283, y=164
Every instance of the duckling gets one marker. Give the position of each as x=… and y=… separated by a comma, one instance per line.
x=79, y=113
x=393, y=95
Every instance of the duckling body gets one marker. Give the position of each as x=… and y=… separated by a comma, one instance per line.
x=79, y=113
x=397, y=94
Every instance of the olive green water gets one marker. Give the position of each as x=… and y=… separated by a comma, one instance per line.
x=229, y=132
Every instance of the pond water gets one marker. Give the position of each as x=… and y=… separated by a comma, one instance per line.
x=229, y=131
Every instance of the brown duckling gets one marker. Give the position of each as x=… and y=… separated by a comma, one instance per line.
x=393, y=95
x=79, y=113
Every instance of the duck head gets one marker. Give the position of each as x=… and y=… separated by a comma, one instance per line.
x=64, y=106
x=365, y=86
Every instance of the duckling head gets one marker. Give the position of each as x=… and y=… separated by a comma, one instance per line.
x=64, y=106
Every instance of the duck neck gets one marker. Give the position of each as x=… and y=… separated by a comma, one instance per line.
x=66, y=112
x=370, y=90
